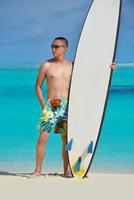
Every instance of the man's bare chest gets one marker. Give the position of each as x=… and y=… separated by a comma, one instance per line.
x=58, y=73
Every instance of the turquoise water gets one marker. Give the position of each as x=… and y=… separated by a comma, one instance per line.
x=20, y=111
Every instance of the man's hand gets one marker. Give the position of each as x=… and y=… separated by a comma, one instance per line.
x=42, y=106
x=113, y=66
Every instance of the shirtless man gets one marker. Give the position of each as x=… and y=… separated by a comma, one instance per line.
x=57, y=72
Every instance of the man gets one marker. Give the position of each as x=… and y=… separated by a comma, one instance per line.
x=57, y=72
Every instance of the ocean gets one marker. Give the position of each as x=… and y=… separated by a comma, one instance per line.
x=20, y=112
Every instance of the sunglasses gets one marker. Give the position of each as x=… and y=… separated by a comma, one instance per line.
x=54, y=46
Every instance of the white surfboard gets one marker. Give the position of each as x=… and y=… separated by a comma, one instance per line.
x=90, y=82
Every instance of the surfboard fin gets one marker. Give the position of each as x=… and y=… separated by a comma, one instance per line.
x=90, y=147
x=78, y=164
x=69, y=145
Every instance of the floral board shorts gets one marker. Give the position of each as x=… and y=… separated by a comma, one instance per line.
x=54, y=115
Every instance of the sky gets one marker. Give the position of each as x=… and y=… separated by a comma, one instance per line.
x=28, y=27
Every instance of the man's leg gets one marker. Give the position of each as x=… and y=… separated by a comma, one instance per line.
x=40, y=151
x=64, y=155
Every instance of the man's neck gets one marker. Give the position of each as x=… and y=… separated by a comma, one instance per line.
x=59, y=60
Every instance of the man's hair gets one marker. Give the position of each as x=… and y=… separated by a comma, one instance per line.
x=62, y=38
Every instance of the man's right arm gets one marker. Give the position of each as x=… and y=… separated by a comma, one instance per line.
x=39, y=83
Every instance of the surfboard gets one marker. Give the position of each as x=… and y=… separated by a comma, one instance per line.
x=90, y=83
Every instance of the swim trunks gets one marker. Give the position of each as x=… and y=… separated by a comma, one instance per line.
x=54, y=115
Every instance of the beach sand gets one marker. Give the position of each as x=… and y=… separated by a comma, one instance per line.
x=56, y=187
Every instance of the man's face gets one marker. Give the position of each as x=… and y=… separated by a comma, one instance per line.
x=58, y=48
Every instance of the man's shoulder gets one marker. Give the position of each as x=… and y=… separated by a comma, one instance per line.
x=46, y=64
x=70, y=63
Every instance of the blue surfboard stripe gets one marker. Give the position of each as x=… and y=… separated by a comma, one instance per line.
x=69, y=145
x=78, y=164
x=90, y=147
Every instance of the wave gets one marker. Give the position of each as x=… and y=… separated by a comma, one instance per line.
x=122, y=90
x=30, y=66
x=34, y=66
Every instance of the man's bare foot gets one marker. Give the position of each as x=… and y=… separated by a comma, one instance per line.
x=34, y=175
x=68, y=174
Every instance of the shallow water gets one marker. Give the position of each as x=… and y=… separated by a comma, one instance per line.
x=20, y=111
